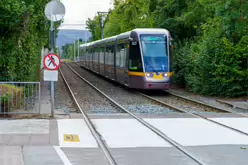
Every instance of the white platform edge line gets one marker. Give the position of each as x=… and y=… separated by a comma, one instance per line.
x=62, y=155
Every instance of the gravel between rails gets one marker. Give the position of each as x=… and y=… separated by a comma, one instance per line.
x=63, y=100
x=198, y=106
x=180, y=103
x=127, y=98
x=89, y=99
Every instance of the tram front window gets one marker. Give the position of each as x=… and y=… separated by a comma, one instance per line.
x=155, y=53
x=135, y=62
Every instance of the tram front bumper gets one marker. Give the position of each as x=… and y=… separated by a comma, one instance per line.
x=157, y=85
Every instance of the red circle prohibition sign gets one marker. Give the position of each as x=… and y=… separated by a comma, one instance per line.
x=57, y=66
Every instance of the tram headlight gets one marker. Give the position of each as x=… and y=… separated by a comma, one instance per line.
x=149, y=75
x=165, y=74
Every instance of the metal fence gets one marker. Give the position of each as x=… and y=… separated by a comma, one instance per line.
x=19, y=97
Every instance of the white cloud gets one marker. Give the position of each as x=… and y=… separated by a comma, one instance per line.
x=78, y=11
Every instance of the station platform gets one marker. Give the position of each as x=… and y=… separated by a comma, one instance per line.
x=70, y=142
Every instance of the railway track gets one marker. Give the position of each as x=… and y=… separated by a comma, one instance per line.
x=239, y=112
x=180, y=102
x=195, y=113
x=173, y=100
x=90, y=100
x=129, y=99
x=157, y=131
x=89, y=123
x=143, y=122
x=198, y=115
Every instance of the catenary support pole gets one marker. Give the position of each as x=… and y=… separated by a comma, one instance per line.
x=52, y=82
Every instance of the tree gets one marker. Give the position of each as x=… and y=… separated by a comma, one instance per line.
x=24, y=30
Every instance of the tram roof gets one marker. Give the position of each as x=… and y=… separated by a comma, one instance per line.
x=127, y=35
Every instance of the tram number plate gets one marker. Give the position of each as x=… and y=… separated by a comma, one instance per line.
x=71, y=138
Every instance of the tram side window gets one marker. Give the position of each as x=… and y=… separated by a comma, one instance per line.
x=112, y=56
x=108, y=53
x=135, y=62
x=94, y=55
x=86, y=54
x=97, y=55
x=122, y=55
x=106, y=56
x=89, y=55
x=103, y=54
x=100, y=55
x=118, y=55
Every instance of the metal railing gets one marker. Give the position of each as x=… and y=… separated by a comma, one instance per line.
x=19, y=97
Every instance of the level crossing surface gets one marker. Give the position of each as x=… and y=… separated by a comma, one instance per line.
x=69, y=141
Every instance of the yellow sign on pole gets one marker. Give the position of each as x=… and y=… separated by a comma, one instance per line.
x=71, y=138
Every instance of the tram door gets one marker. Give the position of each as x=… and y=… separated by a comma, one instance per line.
x=126, y=63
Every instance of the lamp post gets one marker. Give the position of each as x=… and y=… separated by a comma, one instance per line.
x=54, y=11
x=78, y=48
x=102, y=15
x=75, y=59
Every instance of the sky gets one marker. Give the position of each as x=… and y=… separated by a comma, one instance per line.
x=78, y=11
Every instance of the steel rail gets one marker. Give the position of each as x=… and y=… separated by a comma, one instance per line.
x=94, y=132
x=194, y=114
x=204, y=104
x=152, y=128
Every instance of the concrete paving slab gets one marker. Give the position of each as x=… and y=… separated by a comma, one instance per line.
x=77, y=127
x=193, y=132
x=237, y=123
x=85, y=156
x=11, y=155
x=120, y=133
x=53, y=133
x=41, y=155
x=151, y=156
x=45, y=96
x=23, y=139
x=221, y=154
x=29, y=126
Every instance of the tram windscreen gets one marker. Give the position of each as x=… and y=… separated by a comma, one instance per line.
x=155, y=55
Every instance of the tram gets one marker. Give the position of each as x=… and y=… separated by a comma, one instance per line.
x=139, y=59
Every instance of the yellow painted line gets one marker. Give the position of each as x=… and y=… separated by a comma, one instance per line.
x=71, y=138
x=136, y=73
x=170, y=74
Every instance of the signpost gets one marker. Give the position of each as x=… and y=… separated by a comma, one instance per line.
x=54, y=11
x=52, y=62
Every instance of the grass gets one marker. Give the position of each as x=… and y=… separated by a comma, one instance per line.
x=67, y=60
x=11, y=94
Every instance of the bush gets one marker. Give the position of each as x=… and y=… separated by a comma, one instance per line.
x=219, y=66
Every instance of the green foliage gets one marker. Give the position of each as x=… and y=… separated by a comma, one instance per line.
x=216, y=63
x=210, y=38
x=24, y=30
x=69, y=50
x=126, y=16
